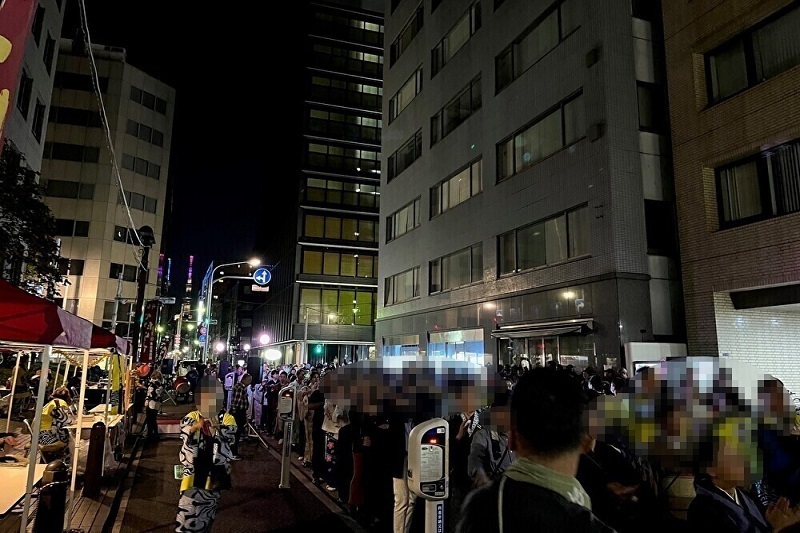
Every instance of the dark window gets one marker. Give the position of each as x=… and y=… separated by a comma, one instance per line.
x=161, y=106
x=457, y=189
x=406, y=35
x=38, y=120
x=148, y=100
x=128, y=272
x=122, y=234
x=153, y=170
x=24, y=96
x=75, y=266
x=49, y=53
x=86, y=191
x=145, y=132
x=760, y=53
x=81, y=228
x=91, y=154
x=65, y=227
x=68, y=228
x=660, y=225
x=140, y=166
x=403, y=220
x=38, y=23
x=759, y=187
x=456, y=111
x=564, y=236
x=652, y=107
x=136, y=94
x=646, y=10
x=75, y=117
x=458, y=269
x=410, y=89
x=456, y=38
x=149, y=204
x=128, y=161
x=409, y=152
x=132, y=128
x=557, y=128
x=158, y=138
x=78, y=82
x=538, y=39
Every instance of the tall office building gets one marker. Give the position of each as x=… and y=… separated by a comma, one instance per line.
x=526, y=197
x=27, y=123
x=325, y=250
x=733, y=81
x=81, y=186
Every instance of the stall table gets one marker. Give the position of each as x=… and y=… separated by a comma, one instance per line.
x=14, y=479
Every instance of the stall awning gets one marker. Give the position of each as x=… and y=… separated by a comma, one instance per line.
x=548, y=329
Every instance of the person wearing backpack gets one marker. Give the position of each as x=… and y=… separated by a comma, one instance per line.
x=489, y=456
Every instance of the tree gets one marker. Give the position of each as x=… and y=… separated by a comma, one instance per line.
x=27, y=228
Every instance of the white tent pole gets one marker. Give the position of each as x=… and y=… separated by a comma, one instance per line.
x=78, y=441
x=66, y=374
x=13, y=388
x=58, y=368
x=37, y=420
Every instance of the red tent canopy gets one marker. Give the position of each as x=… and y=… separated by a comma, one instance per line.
x=102, y=338
x=28, y=319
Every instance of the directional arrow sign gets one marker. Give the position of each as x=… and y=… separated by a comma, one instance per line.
x=262, y=276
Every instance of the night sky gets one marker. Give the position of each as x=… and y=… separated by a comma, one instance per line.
x=221, y=151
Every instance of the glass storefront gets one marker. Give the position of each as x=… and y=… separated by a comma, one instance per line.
x=577, y=350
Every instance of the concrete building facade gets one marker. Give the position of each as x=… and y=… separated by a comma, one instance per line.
x=526, y=198
x=82, y=188
x=27, y=123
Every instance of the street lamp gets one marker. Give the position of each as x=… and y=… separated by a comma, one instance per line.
x=254, y=262
x=220, y=347
x=246, y=347
x=263, y=339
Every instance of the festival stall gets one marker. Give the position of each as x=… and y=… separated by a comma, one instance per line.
x=30, y=323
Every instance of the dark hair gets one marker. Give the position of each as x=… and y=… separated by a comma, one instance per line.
x=547, y=411
x=62, y=393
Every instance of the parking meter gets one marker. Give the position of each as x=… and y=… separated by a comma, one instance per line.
x=428, y=469
x=286, y=402
x=286, y=399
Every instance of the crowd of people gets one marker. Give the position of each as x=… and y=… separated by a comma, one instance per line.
x=530, y=460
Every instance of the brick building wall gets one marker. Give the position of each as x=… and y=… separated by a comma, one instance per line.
x=708, y=136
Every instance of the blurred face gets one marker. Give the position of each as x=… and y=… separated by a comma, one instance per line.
x=314, y=379
x=284, y=379
x=209, y=398
x=730, y=468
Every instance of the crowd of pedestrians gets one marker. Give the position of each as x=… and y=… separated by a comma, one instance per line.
x=530, y=460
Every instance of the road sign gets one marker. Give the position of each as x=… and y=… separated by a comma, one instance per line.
x=259, y=288
x=167, y=300
x=262, y=276
x=213, y=322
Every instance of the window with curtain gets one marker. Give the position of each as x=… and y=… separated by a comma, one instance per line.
x=760, y=53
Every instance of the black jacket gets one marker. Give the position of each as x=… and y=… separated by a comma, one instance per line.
x=713, y=510
x=526, y=507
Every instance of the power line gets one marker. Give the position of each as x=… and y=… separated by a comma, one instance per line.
x=104, y=119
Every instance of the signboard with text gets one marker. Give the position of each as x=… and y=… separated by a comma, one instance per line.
x=149, y=322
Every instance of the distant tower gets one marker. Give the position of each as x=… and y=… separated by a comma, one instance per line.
x=186, y=304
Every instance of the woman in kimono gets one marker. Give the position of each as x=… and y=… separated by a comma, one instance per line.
x=205, y=456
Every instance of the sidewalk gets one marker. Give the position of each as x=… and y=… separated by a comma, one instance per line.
x=255, y=504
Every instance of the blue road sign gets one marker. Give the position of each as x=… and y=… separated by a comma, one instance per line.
x=262, y=276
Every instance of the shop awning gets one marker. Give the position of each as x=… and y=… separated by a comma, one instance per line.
x=548, y=329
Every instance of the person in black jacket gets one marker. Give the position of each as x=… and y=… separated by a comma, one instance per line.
x=722, y=505
x=538, y=492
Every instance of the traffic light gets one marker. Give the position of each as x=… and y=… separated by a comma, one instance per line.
x=318, y=349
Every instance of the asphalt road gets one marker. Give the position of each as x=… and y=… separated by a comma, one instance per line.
x=255, y=504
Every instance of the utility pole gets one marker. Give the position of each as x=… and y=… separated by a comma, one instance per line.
x=147, y=238
x=116, y=302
